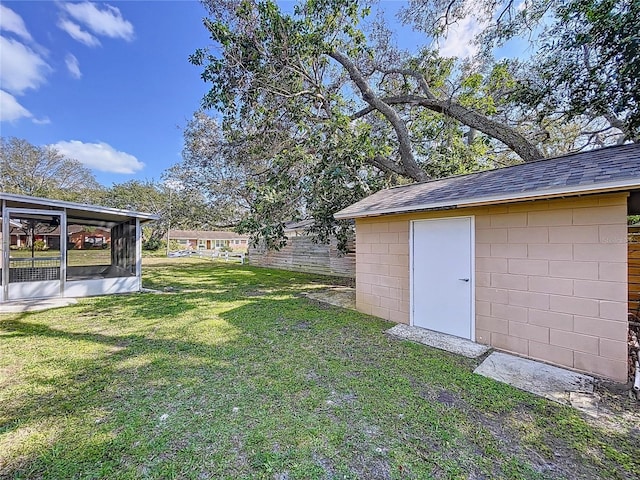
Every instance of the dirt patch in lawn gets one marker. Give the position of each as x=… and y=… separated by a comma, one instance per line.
x=344, y=297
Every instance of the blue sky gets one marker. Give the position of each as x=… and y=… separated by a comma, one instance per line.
x=109, y=83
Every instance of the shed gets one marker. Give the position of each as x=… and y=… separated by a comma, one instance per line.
x=531, y=259
x=45, y=261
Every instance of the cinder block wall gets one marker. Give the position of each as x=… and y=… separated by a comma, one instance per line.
x=382, y=267
x=551, y=278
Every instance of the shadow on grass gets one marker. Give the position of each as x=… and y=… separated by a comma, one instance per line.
x=225, y=385
x=218, y=276
x=86, y=377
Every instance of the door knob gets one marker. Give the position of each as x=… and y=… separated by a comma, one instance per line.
x=464, y=279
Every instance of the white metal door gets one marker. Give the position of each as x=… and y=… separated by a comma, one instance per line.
x=442, y=275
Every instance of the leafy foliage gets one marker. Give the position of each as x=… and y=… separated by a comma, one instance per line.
x=584, y=66
x=589, y=63
x=27, y=169
x=319, y=107
x=316, y=115
x=176, y=207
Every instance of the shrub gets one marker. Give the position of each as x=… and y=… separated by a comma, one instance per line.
x=40, y=246
x=153, y=244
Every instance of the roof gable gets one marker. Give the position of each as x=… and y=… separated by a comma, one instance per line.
x=607, y=169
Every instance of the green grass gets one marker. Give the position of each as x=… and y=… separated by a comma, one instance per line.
x=238, y=376
x=74, y=257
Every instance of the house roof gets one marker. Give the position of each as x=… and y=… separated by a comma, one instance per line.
x=604, y=170
x=298, y=225
x=89, y=214
x=205, y=235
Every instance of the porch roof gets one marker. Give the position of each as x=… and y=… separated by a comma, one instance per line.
x=88, y=214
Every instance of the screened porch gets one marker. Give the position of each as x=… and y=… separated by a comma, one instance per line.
x=50, y=248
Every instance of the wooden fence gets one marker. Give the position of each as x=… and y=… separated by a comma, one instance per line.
x=301, y=254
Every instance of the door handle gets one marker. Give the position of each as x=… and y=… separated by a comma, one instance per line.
x=464, y=279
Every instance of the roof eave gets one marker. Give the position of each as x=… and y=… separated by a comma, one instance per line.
x=498, y=199
x=144, y=217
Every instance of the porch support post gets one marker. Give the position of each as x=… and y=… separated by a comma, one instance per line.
x=139, y=253
x=63, y=250
x=6, y=243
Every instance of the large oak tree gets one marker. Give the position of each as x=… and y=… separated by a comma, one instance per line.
x=319, y=107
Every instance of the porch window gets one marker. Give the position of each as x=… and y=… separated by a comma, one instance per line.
x=89, y=252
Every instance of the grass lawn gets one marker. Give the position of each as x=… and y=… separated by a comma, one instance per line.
x=74, y=257
x=238, y=376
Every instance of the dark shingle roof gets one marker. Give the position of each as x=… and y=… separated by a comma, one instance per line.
x=605, y=169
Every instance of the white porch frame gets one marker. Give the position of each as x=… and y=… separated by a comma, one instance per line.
x=100, y=285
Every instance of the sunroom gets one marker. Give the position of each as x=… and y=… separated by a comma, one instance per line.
x=52, y=248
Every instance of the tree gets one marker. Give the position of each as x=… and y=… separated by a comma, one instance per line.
x=589, y=65
x=320, y=108
x=299, y=112
x=32, y=227
x=176, y=207
x=213, y=170
x=42, y=172
x=143, y=196
x=585, y=66
x=315, y=65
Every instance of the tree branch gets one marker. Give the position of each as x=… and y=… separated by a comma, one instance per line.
x=406, y=152
x=507, y=135
x=388, y=165
x=422, y=82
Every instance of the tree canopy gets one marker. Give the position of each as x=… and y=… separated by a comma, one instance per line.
x=320, y=106
x=42, y=172
x=28, y=169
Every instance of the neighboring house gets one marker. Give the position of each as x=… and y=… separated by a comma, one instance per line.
x=47, y=274
x=84, y=238
x=209, y=240
x=79, y=237
x=297, y=229
x=20, y=233
x=531, y=259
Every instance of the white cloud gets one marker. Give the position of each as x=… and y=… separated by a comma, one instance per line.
x=459, y=41
x=41, y=121
x=107, y=22
x=10, y=21
x=72, y=65
x=10, y=109
x=75, y=31
x=100, y=156
x=20, y=67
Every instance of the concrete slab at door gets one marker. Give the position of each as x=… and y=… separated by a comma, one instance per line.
x=442, y=275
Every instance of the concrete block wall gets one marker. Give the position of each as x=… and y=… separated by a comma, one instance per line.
x=551, y=278
x=382, y=268
x=551, y=282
